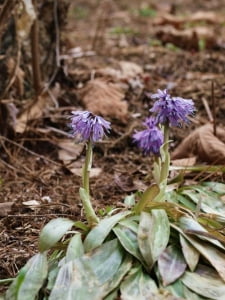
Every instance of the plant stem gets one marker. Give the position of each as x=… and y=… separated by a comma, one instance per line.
x=87, y=167
x=166, y=158
x=85, y=195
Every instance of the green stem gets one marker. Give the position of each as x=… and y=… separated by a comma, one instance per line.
x=166, y=158
x=87, y=167
x=85, y=190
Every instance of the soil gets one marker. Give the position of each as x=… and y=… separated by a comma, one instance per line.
x=36, y=185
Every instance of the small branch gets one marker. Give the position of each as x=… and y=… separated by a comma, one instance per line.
x=213, y=107
x=207, y=108
x=35, y=55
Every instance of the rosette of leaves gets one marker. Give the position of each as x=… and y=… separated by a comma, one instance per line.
x=151, y=250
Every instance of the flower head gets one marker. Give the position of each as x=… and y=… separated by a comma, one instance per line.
x=151, y=139
x=87, y=126
x=172, y=110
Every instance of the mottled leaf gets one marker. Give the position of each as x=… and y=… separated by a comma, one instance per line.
x=203, y=284
x=191, y=255
x=98, y=234
x=128, y=240
x=29, y=280
x=90, y=276
x=153, y=235
x=138, y=285
x=171, y=264
x=53, y=232
x=211, y=253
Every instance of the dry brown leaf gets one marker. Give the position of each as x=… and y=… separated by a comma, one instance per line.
x=95, y=172
x=178, y=21
x=103, y=98
x=205, y=16
x=69, y=150
x=17, y=73
x=33, y=111
x=188, y=38
x=184, y=162
x=204, y=144
x=130, y=69
x=5, y=208
x=25, y=20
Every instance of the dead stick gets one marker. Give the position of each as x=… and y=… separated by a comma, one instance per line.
x=35, y=56
x=213, y=107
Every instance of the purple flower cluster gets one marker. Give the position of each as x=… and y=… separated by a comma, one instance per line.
x=151, y=139
x=88, y=127
x=171, y=110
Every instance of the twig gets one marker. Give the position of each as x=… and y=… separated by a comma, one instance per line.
x=35, y=56
x=207, y=108
x=213, y=107
x=15, y=71
x=30, y=151
x=57, y=36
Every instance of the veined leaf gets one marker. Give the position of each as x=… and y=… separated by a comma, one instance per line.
x=29, y=280
x=191, y=255
x=98, y=234
x=171, y=264
x=91, y=276
x=138, y=285
x=153, y=235
x=203, y=284
x=53, y=232
x=75, y=248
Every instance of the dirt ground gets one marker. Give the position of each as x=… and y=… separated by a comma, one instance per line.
x=178, y=45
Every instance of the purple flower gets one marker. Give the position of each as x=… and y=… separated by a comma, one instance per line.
x=151, y=139
x=172, y=110
x=86, y=126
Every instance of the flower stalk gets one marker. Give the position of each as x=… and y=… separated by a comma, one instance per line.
x=88, y=128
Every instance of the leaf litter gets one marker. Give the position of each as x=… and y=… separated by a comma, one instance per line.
x=110, y=93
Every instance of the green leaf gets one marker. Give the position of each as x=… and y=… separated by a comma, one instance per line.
x=171, y=264
x=29, y=280
x=90, y=276
x=153, y=235
x=205, y=202
x=191, y=226
x=75, y=248
x=138, y=285
x=98, y=234
x=216, y=187
x=206, y=284
x=177, y=198
x=191, y=255
x=128, y=240
x=53, y=232
x=148, y=196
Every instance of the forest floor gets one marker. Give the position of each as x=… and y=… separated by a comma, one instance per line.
x=113, y=55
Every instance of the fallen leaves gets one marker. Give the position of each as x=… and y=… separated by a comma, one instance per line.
x=204, y=144
x=34, y=110
x=105, y=98
x=191, y=38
